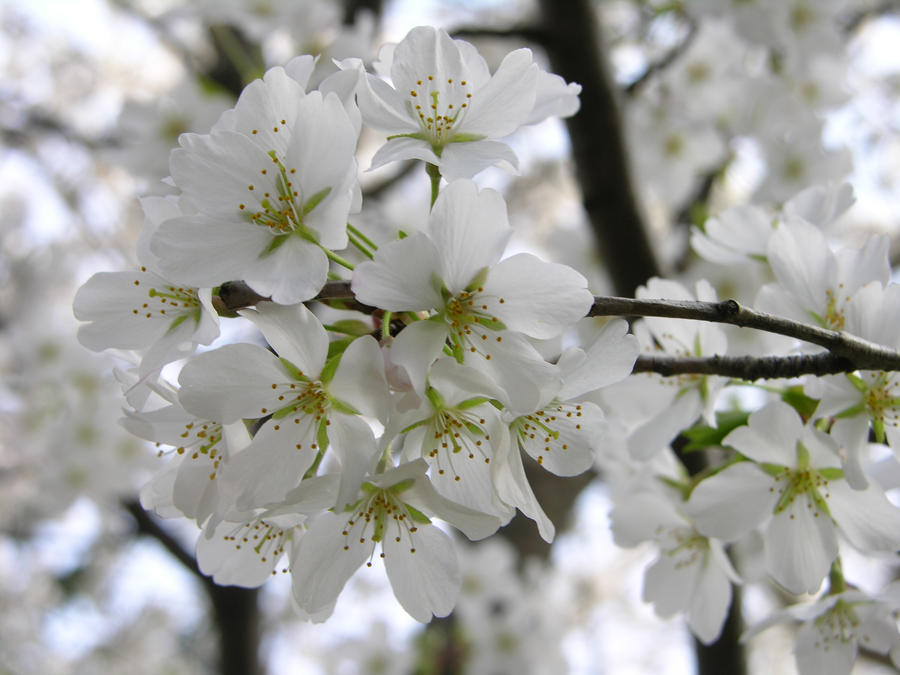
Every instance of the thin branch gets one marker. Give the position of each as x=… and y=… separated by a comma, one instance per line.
x=377, y=190
x=146, y=525
x=860, y=354
x=846, y=352
x=748, y=368
x=665, y=61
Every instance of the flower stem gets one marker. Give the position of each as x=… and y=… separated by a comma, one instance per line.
x=386, y=325
x=368, y=242
x=361, y=247
x=434, y=173
x=331, y=255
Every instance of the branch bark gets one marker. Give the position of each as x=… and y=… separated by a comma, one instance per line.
x=858, y=353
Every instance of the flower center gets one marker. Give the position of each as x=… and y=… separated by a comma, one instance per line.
x=265, y=539
x=470, y=321
x=164, y=301
x=539, y=433
x=837, y=626
x=377, y=516
x=438, y=106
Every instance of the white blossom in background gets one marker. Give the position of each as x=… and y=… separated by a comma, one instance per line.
x=445, y=107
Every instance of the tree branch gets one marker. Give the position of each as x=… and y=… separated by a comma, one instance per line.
x=746, y=367
x=846, y=352
x=860, y=354
x=235, y=609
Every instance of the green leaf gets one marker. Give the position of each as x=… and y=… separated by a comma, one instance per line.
x=417, y=516
x=703, y=436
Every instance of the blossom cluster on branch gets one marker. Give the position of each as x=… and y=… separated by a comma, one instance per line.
x=351, y=432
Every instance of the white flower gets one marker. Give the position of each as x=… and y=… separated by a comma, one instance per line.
x=483, y=306
x=794, y=488
x=815, y=283
x=308, y=403
x=445, y=106
x=142, y=311
x=392, y=509
x=857, y=401
x=835, y=626
x=671, y=404
x=563, y=432
x=268, y=198
x=692, y=573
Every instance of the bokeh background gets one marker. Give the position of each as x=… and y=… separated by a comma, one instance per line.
x=688, y=107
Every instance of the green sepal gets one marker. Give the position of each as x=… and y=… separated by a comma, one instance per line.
x=773, y=470
x=293, y=370
x=704, y=436
x=478, y=280
x=417, y=516
x=858, y=383
x=832, y=473
x=418, y=135
x=492, y=324
x=195, y=315
x=274, y=245
x=800, y=402
x=414, y=425
x=402, y=486
x=437, y=402
x=343, y=407
x=322, y=435
x=852, y=411
x=472, y=402
x=331, y=365
x=353, y=327
x=466, y=138
x=315, y=200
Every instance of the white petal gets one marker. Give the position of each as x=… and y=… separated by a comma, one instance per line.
x=202, y=251
x=469, y=229
x=401, y=148
x=294, y=333
x=234, y=563
x=231, y=382
x=275, y=461
x=469, y=158
x=866, y=517
x=732, y=502
x=423, y=571
x=818, y=657
x=321, y=564
x=514, y=489
x=293, y=272
x=539, y=299
x=771, y=435
x=506, y=101
x=800, y=545
x=712, y=597
x=401, y=277
x=359, y=379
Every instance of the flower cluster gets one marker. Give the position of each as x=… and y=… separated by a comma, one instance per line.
x=334, y=438
x=416, y=385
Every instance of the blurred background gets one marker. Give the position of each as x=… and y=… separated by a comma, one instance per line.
x=688, y=107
